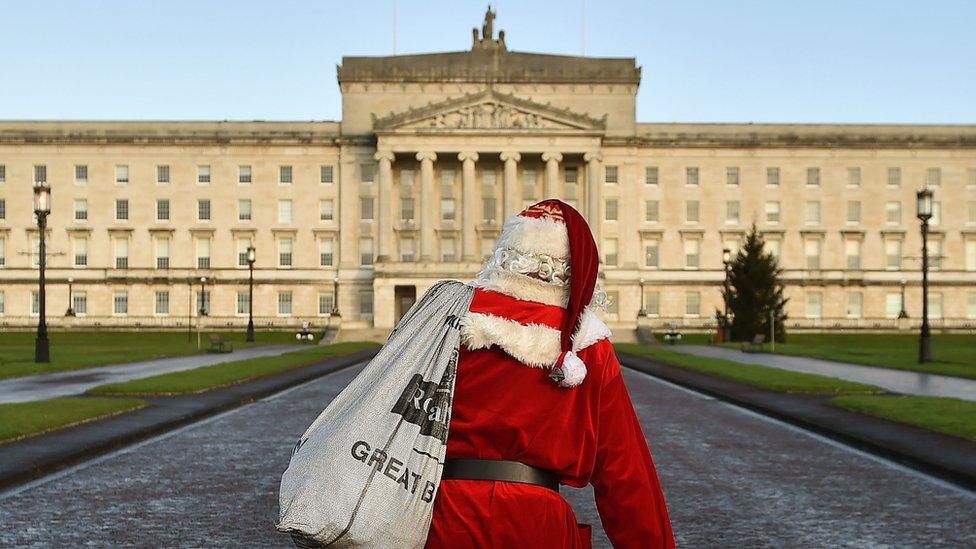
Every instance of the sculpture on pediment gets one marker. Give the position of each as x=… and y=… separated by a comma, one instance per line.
x=488, y=115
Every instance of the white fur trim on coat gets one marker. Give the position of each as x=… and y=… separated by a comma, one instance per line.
x=538, y=235
x=535, y=345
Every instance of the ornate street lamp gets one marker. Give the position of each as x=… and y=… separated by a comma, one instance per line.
x=335, y=296
x=643, y=311
x=201, y=309
x=923, y=210
x=726, y=262
x=42, y=207
x=251, y=258
x=71, y=304
x=903, y=313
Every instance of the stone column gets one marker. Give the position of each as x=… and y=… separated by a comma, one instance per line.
x=384, y=205
x=428, y=204
x=552, y=188
x=469, y=206
x=594, y=194
x=510, y=193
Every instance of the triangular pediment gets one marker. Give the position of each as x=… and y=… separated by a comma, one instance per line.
x=488, y=110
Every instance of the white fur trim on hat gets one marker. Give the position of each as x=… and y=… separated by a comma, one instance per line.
x=541, y=235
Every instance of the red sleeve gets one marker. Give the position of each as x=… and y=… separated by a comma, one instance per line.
x=625, y=483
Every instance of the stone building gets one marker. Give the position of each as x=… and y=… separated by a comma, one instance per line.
x=431, y=154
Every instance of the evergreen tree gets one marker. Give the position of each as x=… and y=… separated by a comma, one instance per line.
x=755, y=290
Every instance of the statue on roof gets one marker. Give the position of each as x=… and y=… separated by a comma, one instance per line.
x=488, y=27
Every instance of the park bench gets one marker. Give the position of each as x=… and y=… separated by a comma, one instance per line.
x=219, y=345
x=672, y=336
x=754, y=346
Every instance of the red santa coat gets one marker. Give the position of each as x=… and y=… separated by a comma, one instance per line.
x=506, y=409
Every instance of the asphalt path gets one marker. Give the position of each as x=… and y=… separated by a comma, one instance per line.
x=731, y=477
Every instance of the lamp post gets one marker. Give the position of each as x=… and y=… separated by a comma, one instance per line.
x=202, y=311
x=923, y=210
x=903, y=313
x=643, y=311
x=71, y=304
x=335, y=296
x=251, y=257
x=42, y=207
x=726, y=262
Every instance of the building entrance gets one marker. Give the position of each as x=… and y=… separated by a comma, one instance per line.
x=403, y=297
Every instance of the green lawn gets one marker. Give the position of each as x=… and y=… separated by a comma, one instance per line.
x=73, y=350
x=25, y=419
x=955, y=354
x=772, y=379
x=946, y=415
x=228, y=373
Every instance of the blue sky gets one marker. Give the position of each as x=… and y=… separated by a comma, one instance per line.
x=871, y=61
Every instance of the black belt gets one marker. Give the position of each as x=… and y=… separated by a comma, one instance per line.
x=494, y=469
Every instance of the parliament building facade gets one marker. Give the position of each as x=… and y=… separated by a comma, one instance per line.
x=152, y=220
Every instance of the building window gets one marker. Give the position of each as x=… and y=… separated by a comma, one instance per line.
x=651, y=175
x=162, y=253
x=162, y=209
x=326, y=252
x=933, y=176
x=40, y=173
x=892, y=305
x=81, y=209
x=692, y=304
x=203, y=301
x=935, y=305
x=893, y=254
x=610, y=209
x=243, y=302
x=529, y=180
x=244, y=209
x=970, y=177
x=613, y=303
x=3, y=209
x=325, y=174
x=120, y=303
x=651, y=211
x=285, y=211
x=35, y=303
x=811, y=248
x=284, y=175
x=326, y=303
x=3, y=252
x=80, y=248
x=285, y=252
x=81, y=173
x=121, y=253
x=79, y=303
x=244, y=174
x=121, y=173
x=610, y=174
x=855, y=302
x=3, y=173
x=570, y=176
x=366, y=251
x=971, y=254
x=406, y=209
x=772, y=213
x=489, y=209
x=610, y=252
x=691, y=211
x=935, y=254
x=893, y=212
x=852, y=252
x=366, y=302
x=366, y=208
x=772, y=177
x=447, y=183
x=970, y=304
x=813, y=176
x=692, y=248
x=854, y=177
x=814, y=305
x=813, y=212
x=407, y=249
x=406, y=180
x=162, y=174
x=121, y=209
x=203, y=210
x=448, y=209
x=203, y=253
x=853, y=212
x=652, y=303
x=691, y=176
x=652, y=254
x=732, y=212
x=203, y=173
x=448, y=249
x=162, y=302
x=487, y=246
x=971, y=212
x=367, y=172
x=284, y=303
x=732, y=176
x=894, y=177
x=242, y=245
x=326, y=210
x=936, y=213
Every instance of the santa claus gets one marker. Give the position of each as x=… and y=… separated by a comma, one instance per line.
x=540, y=402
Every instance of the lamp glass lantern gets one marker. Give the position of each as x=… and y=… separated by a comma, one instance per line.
x=726, y=255
x=923, y=204
x=251, y=254
x=42, y=199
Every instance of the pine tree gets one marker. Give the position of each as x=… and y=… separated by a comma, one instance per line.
x=755, y=290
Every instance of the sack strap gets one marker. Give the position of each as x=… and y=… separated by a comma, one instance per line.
x=501, y=470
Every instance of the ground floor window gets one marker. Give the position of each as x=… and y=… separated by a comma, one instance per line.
x=79, y=303
x=652, y=303
x=892, y=305
x=935, y=305
x=243, y=302
x=814, y=305
x=35, y=306
x=613, y=303
x=120, y=303
x=3, y=304
x=970, y=304
x=366, y=302
x=692, y=303
x=284, y=303
x=855, y=301
x=326, y=301
x=162, y=302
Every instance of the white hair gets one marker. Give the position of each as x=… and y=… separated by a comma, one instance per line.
x=535, y=267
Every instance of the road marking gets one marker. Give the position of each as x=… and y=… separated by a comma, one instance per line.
x=816, y=436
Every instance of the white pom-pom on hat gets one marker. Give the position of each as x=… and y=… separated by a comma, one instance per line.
x=571, y=372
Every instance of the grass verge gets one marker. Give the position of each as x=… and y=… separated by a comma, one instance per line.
x=75, y=350
x=770, y=379
x=23, y=419
x=951, y=416
x=229, y=373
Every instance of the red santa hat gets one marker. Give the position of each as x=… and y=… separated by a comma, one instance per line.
x=555, y=228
